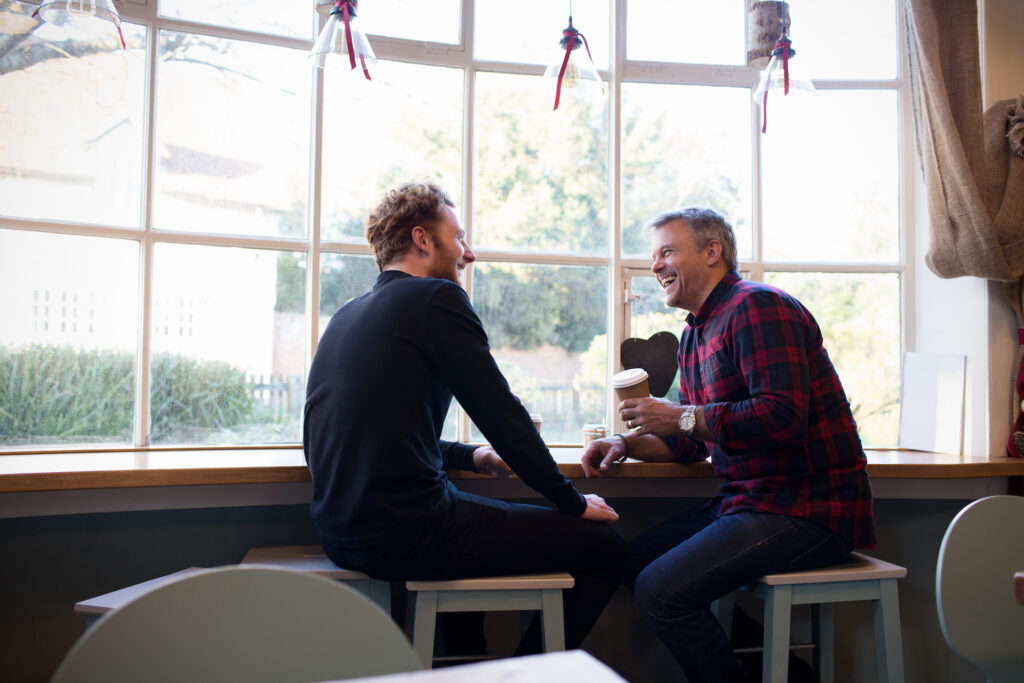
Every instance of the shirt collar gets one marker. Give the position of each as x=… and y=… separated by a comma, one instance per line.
x=717, y=295
x=389, y=275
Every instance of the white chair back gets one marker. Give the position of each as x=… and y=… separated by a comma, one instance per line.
x=982, y=549
x=241, y=624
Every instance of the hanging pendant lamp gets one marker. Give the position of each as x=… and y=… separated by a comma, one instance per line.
x=574, y=74
x=342, y=41
x=84, y=16
x=779, y=77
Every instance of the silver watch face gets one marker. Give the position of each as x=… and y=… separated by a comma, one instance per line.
x=687, y=421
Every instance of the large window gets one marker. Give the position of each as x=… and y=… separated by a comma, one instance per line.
x=179, y=219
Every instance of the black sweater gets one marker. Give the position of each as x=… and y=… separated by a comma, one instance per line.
x=379, y=389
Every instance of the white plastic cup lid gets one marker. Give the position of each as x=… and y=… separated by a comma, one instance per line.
x=628, y=378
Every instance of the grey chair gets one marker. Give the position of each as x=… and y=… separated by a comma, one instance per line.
x=974, y=586
x=241, y=624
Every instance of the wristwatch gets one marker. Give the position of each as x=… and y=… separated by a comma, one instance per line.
x=688, y=420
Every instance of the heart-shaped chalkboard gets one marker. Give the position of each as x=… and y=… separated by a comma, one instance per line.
x=657, y=356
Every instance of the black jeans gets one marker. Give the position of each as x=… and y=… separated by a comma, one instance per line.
x=488, y=537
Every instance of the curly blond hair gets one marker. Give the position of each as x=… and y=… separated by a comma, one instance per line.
x=389, y=227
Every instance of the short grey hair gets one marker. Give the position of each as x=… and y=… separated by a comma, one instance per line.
x=707, y=225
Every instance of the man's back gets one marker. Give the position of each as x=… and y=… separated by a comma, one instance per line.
x=375, y=406
x=378, y=392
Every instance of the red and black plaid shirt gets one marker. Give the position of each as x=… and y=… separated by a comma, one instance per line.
x=784, y=436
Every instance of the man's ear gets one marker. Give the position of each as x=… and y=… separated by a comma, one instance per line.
x=714, y=248
x=421, y=240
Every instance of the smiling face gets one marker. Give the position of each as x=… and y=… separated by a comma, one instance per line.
x=686, y=270
x=450, y=254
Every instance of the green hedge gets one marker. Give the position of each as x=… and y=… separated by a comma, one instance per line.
x=56, y=394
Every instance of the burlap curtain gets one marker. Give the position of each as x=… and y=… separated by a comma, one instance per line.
x=972, y=160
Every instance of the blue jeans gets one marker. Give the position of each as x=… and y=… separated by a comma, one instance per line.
x=679, y=567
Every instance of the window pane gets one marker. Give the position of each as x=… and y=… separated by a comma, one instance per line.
x=690, y=31
x=233, y=130
x=839, y=40
x=541, y=177
x=684, y=146
x=343, y=278
x=859, y=316
x=73, y=126
x=228, y=347
x=296, y=19
x=379, y=136
x=437, y=21
x=831, y=178
x=530, y=31
x=650, y=315
x=547, y=330
x=67, y=344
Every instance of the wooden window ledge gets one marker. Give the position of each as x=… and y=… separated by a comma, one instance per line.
x=112, y=469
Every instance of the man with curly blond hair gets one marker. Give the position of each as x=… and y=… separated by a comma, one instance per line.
x=379, y=389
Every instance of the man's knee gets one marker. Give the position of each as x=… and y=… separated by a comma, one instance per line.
x=611, y=549
x=659, y=596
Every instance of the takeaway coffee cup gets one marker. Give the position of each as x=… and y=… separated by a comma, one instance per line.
x=537, y=420
x=631, y=384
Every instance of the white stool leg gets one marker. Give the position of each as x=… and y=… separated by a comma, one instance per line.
x=722, y=608
x=824, y=639
x=777, y=608
x=888, y=641
x=380, y=592
x=552, y=620
x=425, y=621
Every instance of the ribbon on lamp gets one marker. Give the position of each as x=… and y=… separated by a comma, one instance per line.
x=781, y=48
x=570, y=36
x=344, y=6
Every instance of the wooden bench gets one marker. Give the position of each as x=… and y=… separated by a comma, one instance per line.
x=309, y=559
x=312, y=560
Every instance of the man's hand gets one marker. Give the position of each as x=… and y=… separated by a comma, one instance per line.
x=599, y=454
x=487, y=461
x=598, y=510
x=657, y=416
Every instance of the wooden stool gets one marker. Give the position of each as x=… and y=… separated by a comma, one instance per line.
x=862, y=578
x=489, y=594
x=312, y=560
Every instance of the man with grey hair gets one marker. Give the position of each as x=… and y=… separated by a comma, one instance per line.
x=759, y=395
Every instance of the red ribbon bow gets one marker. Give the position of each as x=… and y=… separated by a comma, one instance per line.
x=569, y=35
x=781, y=47
x=344, y=6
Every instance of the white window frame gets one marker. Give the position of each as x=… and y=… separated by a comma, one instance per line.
x=620, y=268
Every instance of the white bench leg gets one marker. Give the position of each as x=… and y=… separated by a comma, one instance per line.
x=888, y=641
x=552, y=620
x=777, y=608
x=425, y=621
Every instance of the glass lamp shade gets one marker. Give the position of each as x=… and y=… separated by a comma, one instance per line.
x=773, y=80
x=81, y=18
x=331, y=48
x=580, y=74
x=580, y=80
x=60, y=12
